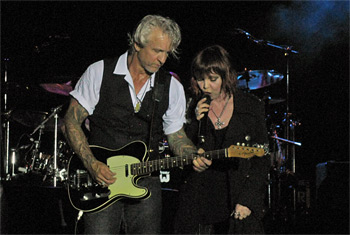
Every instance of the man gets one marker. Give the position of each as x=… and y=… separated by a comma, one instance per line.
x=127, y=99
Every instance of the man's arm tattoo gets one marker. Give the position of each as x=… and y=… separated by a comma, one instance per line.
x=180, y=144
x=74, y=134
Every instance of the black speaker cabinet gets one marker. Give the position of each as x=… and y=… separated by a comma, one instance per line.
x=332, y=196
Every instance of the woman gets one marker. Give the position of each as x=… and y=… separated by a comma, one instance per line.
x=231, y=186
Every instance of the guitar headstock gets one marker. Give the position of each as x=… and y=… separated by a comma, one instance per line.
x=245, y=152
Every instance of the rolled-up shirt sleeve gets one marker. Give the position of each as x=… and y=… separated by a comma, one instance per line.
x=174, y=117
x=87, y=89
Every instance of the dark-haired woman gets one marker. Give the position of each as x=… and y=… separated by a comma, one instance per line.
x=229, y=196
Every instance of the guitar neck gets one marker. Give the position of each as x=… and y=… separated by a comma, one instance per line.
x=148, y=167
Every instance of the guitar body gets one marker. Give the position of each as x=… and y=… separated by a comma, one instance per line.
x=88, y=196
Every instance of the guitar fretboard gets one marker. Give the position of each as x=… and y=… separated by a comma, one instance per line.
x=148, y=167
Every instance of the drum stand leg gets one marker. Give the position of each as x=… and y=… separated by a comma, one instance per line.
x=6, y=161
x=55, y=152
x=7, y=175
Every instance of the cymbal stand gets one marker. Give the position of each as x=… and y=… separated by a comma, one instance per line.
x=6, y=126
x=294, y=143
x=246, y=77
x=292, y=126
x=55, y=116
x=36, y=148
x=55, y=151
x=281, y=157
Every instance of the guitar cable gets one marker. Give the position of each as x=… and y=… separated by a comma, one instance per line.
x=80, y=214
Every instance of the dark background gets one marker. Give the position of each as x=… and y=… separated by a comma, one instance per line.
x=54, y=42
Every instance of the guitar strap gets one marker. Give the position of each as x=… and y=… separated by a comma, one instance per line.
x=157, y=95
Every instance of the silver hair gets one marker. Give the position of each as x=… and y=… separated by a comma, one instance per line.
x=147, y=24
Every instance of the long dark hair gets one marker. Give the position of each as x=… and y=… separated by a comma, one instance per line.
x=213, y=59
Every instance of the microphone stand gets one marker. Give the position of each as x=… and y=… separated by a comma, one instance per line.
x=287, y=51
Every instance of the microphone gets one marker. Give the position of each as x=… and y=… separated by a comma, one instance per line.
x=203, y=123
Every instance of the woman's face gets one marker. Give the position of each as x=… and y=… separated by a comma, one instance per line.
x=210, y=84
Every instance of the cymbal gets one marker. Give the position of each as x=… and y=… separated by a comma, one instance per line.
x=58, y=88
x=28, y=118
x=33, y=119
x=275, y=101
x=50, y=124
x=256, y=79
x=269, y=100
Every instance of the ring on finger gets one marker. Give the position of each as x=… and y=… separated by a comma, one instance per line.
x=196, y=111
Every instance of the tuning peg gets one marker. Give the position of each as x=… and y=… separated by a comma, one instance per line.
x=238, y=144
x=243, y=144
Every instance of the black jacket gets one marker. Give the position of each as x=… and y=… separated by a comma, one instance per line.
x=209, y=197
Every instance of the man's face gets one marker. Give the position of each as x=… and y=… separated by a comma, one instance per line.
x=153, y=55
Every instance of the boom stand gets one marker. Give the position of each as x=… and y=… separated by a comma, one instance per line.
x=55, y=115
x=287, y=50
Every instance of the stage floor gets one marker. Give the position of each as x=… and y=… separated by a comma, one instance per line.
x=29, y=207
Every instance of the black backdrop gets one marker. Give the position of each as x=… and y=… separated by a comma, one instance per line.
x=54, y=42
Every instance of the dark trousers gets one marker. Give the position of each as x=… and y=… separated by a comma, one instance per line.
x=129, y=216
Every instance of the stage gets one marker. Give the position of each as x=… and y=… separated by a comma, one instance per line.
x=31, y=206
x=293, y=55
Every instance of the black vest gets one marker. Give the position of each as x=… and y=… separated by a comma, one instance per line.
x=114, y=122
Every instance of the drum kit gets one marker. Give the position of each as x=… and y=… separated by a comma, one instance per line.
x=281, y=123
x=281, y=190
x=41, y=151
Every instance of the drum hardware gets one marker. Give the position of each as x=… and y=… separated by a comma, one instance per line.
x=285, y=140
x=61, y=173
x=280, y=158
x=269, y=100
x=14, y=160
x=289, y=133
x=256, y=79
x=6, y=128
x=54, y=115
x=281, y=175
x=28, y=118
x=35, y=160
x=35, y=152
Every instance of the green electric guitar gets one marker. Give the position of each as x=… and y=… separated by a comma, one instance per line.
x=130, y=163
